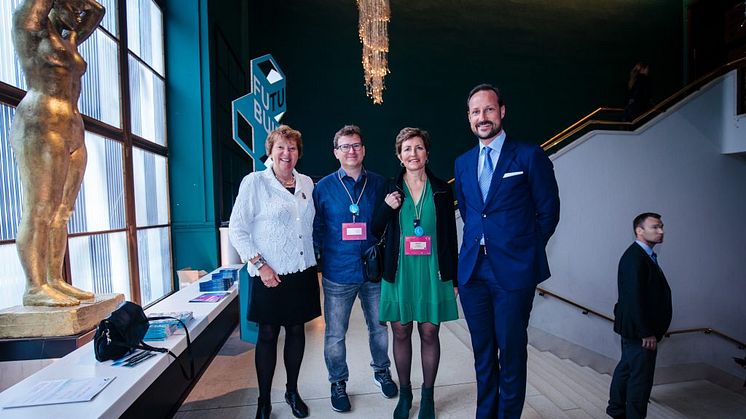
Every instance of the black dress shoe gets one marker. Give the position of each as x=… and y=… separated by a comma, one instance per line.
x=263, y=409
x=299, y=408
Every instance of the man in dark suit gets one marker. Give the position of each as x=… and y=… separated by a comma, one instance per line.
x=508, y=199
x=642, y=316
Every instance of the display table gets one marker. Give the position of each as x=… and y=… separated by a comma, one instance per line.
x=154, y=388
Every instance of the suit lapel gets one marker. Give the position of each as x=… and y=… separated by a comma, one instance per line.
x=507, y=154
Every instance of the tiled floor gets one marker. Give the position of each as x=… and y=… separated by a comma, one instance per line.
x=228, y=389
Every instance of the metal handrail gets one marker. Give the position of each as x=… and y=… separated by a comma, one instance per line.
x=542, y=292
x=585, y=310
x=661, y=107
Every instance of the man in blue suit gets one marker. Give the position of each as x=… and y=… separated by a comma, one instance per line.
x=509, y=203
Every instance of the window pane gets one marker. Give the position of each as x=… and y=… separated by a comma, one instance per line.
x=10, y=181
x=100, y=263
x=11, y=277
x=145, y=32
x=154, y=256
x=110, y=18
x=99, y=97
x=151, y=188
x=148, y=102
x=10, y=67
x=100, y=203
x=105, y=53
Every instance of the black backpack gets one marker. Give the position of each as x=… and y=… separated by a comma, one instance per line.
x=123, y=331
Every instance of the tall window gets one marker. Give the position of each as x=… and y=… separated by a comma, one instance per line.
x=119, y=234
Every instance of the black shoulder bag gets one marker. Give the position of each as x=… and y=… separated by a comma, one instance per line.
x=123, y=331
x=373, y=260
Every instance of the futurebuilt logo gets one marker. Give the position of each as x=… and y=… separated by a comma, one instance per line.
x=262, y=109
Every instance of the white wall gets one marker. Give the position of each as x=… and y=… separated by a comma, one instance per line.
x=676, y=166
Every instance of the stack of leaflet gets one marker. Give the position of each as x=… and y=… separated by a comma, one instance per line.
x=220, y=281
x=161, y=329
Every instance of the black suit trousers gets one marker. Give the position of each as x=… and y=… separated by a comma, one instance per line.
x=632, y=381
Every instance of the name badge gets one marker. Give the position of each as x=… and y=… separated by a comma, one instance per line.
x=417, y=246
x=354, y=231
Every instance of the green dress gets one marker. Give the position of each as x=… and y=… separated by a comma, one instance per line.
x=417, y=293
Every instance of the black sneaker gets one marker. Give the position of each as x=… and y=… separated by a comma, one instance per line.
x=388, y=386
x=340, y=401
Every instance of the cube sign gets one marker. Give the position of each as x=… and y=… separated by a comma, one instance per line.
x=262, y=109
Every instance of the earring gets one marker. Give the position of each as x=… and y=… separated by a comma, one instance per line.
x=401, y=163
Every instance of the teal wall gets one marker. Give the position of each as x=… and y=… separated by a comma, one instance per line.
x=190, y=139
x=555, y=61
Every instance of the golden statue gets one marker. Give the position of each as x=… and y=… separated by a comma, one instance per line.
x=48, y=139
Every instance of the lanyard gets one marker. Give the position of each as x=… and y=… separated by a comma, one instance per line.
x=354, y=207
x=419, y=231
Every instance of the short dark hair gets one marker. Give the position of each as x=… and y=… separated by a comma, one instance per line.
x=346, y=131
x=485, y=87
x=407, y=134
x=640, y=219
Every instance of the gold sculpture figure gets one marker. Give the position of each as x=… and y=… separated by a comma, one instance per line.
x=47, y=137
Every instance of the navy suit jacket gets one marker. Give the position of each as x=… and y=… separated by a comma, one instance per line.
x=517, y=218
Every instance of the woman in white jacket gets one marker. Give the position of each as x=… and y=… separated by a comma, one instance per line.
x=271, y=227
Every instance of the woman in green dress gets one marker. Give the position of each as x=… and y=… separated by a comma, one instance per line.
x=419, y=224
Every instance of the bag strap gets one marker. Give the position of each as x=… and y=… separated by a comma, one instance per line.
x=147, y=347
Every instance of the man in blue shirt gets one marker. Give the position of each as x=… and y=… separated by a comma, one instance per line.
x=345, y=201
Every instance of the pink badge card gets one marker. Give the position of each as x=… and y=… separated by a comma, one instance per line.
x=354, y=231
x=417, y=246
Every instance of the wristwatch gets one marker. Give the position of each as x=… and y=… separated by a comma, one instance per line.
x=259, y=262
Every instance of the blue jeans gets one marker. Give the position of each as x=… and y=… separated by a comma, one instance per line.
x=338, y=300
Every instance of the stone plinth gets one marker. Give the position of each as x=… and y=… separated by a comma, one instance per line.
x=35, y=321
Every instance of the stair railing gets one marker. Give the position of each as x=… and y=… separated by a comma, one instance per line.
x=586, y=123
x=587, y=311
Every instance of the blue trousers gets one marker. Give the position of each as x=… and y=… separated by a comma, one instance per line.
x=632, y=381
x=338, y=300
x=497, y=319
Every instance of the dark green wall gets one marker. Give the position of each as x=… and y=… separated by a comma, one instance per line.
x=554, y=60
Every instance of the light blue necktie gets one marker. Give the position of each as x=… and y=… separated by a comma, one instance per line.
x=485, y=178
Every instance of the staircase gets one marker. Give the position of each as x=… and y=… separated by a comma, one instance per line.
x=561, y=389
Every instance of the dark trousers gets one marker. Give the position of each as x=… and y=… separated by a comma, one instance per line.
x=497, y=320
x=632, y=381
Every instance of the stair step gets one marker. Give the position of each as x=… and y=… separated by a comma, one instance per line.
x=566, y=380
x=545, y=408
x=529, y=412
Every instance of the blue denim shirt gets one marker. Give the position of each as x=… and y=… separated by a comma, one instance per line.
x=342, y=260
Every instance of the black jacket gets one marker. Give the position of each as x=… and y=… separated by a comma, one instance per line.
x=644, y=306
x=445, y=216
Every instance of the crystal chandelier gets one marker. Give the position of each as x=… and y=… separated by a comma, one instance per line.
x=373, y=32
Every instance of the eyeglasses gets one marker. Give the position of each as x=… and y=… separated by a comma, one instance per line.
x=345, y=148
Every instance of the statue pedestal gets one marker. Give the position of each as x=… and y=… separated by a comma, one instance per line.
x=36, y=321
